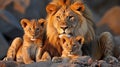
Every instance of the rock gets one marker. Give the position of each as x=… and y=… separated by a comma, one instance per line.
x=64, y=65
x=3, y=46
x=117, y=46
x=37, y=64
x=8, y=64
x=100, y=63
x=104, y=64
x=2, y=64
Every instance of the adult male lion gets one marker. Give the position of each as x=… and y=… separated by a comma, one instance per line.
x=73, y=18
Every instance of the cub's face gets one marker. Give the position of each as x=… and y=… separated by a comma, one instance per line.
x=33, y=28
x=72, y=45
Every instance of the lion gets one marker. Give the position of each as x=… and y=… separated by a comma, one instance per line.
x=73, y=18
x=27, y=50
x=71, y=48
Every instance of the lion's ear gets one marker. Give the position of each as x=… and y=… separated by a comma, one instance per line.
x=51, y=8
x=42, y=22
x=80, y=39
x=24, y=22
x=78, y=6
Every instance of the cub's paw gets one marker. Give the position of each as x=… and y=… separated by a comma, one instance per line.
x=57, y=59
x=111, y=59
x=29, y=62
x=8, y=59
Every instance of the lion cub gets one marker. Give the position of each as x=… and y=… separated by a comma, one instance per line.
x=28, y=50
x=71, y=48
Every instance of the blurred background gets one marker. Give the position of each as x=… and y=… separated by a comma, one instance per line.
x=106, y=14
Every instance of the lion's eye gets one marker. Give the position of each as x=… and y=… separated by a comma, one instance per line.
x=71, y=18
x=58, y=18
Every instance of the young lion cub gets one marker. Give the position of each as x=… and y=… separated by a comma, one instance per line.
x=28, y=50
x=71, y=48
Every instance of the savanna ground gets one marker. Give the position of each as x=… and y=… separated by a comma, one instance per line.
x=12, y=11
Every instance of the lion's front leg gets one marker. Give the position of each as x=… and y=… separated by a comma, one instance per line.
x=106, y=43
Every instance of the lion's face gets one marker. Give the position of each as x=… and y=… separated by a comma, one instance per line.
x=65, y=20
x=69, y=20
x=72, y=45
x=33, y=28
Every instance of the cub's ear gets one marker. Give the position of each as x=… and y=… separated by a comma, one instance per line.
x=78, y=6
x=64, y=39
x=24, y=22
x=51, y=8
x=42, y=21
x=80, y=39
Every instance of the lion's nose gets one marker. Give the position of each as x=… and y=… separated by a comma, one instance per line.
x=64, y=27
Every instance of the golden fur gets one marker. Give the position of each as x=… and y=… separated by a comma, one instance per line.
x=11, y=54
x=28, y=50
x=73, y=18
x=71, y=48
x=70, y=19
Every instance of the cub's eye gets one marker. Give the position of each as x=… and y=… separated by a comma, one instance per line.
x=37, y=29
x=74, y=45
x=66, y=44
x=29, y=29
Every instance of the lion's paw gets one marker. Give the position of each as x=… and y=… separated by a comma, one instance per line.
x=75, y=61
x=111, y=59
x=57, y=59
